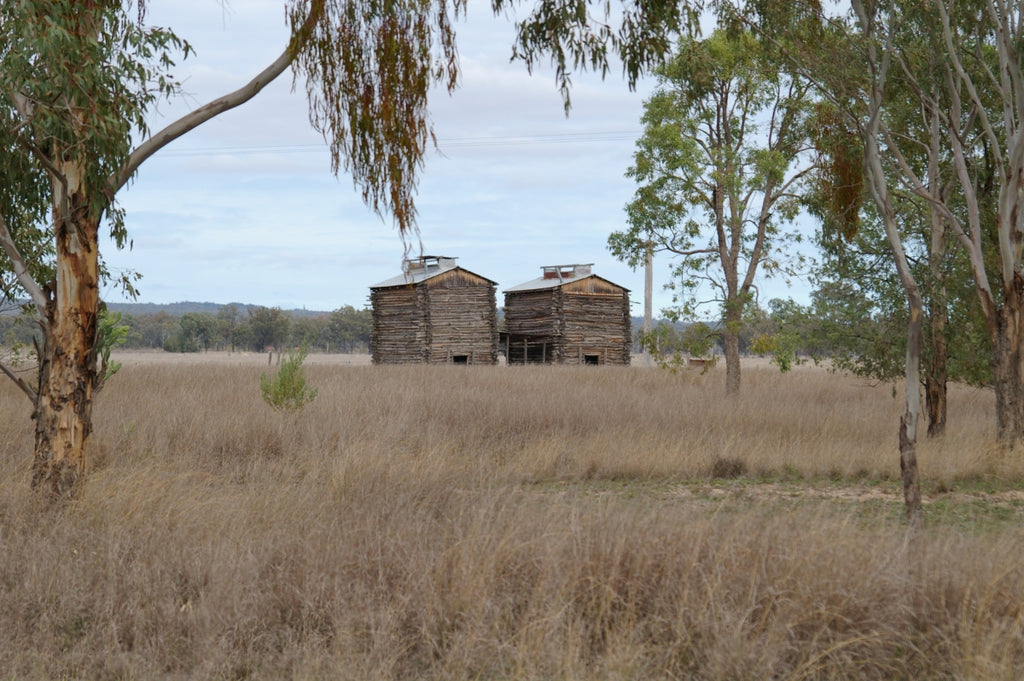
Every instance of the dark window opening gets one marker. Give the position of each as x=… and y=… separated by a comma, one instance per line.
x=537, y=353
x=460, y=359
x=591, y=360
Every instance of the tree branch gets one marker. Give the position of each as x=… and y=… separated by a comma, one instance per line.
x=762, y=228
x=218, y=106
x=18, y=381
x=686, y=254
x=21, y=271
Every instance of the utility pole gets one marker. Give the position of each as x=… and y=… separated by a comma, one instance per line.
x=648, y=287
x=648, y=298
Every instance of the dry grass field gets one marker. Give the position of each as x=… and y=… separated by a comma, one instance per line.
x=497, y=523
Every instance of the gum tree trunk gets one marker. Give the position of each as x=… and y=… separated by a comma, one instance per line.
x=937, y=375
x=911, y=415
x=67, y=307
x=936, y=379
x=731, y=341
x=877, y=183
x=67, y=357
x=1008, y=367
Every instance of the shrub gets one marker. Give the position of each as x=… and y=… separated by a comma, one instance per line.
x=287, y=391
x=728, y=468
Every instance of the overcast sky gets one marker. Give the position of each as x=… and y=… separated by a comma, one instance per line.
x=245, y=208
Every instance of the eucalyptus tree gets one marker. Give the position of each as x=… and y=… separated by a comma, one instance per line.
x=957, y=66
x=720, y=165
x=875, y=66
x=349, y=328
x=77, y=82
x=79, y=78
x=971, y=90
x=852, y=69
x=861, y=305
x=228, y=318
x=270, y=328
x=199, y=330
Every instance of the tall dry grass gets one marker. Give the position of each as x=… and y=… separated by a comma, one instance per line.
x=498, y=523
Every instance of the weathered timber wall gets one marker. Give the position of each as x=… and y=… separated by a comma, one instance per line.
x=463, y=319
x=399, y=331
x=564, y=324
x=596, y=324
x=533, y=313
x=450, y=315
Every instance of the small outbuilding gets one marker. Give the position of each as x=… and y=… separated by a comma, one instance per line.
x=434, y=312
x=567, y=316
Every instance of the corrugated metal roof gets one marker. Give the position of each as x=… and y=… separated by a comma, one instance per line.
x=421, y=269
x=558, y=275
x=541, y=283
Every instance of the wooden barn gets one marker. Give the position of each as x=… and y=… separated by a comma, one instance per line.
x=434, y=313
x=567, y=316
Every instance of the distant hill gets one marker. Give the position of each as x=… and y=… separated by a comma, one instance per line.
x=185, y=307
x=638, y=323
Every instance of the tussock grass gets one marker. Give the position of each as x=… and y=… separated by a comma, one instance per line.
x=500, y=523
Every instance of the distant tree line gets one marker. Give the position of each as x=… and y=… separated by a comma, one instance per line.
x=848, y=325
x=257, y=329
x=841, y=324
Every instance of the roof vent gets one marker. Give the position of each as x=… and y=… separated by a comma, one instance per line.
x=427, y=264
x=563, y=272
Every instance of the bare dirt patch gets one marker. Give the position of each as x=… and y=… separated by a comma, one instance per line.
x=845, y=493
